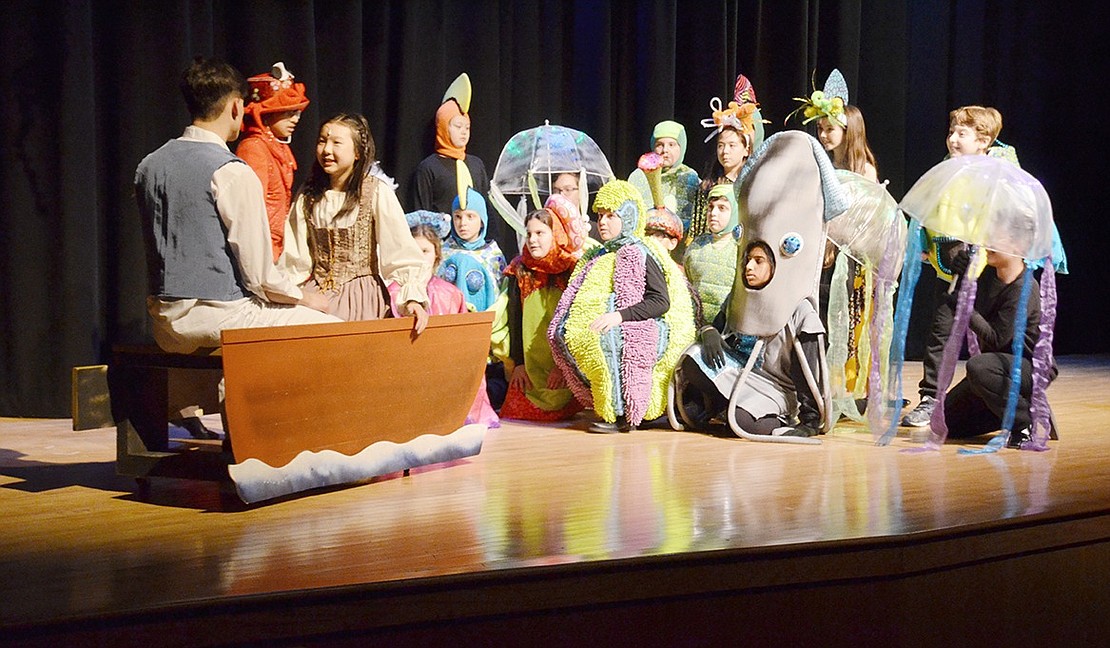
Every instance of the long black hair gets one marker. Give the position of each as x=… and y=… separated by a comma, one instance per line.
x=318, y=181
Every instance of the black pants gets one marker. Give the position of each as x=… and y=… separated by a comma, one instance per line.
x=702, y=400
x=976, y=404
x=496, y=385
x=943, y=319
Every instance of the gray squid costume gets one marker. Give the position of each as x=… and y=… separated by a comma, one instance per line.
x=774, y=366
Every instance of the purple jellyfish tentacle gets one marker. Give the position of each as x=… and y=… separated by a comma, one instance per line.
x=1043, y=362
x=972, y=344
x=964, y=306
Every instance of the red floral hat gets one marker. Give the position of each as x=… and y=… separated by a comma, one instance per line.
x=275, y=91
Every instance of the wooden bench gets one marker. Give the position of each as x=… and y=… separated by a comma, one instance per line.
x=138, y=384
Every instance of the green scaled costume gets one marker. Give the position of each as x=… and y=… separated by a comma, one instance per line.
x=680, y=182
x=710, y=260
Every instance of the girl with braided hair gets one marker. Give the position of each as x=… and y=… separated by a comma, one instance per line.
x=347, y=236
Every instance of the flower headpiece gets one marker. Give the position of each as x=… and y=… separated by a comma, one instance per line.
x=828, y=103
x=738, y=116
x=439, y=222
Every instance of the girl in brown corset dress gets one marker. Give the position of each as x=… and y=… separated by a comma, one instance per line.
x=347, y=236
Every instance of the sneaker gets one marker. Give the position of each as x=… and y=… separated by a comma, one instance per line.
x=920, y=415
x=801, y=430
x=1019, y=437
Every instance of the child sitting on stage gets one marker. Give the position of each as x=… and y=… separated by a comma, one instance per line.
x=769, y=326
x=477, y=268
x=537, y=389
x=428, y=230
x=976, y=404
x=623, y=320
x=346, y=227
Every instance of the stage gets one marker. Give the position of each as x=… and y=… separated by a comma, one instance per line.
x=552, y=536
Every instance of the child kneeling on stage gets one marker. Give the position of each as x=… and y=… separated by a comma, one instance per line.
x=768, y=327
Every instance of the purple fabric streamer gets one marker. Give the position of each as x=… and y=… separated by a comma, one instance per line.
x=972, y=339
x=639, y=340
x=1042, y=363
x=952, y=346
x=877, y=410
x=911, y=270
x=972, y=344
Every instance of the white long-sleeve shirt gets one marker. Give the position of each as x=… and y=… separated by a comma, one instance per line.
x=242, y=208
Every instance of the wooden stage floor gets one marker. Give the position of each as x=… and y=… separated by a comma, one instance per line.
x=578, y=538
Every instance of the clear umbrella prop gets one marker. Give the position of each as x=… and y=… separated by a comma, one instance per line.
x=871, y=240
x=989, y=204
x=532, y=161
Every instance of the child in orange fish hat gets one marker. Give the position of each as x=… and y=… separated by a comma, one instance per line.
x=269, y=119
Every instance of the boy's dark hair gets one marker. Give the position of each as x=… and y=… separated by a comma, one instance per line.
x=206, y=84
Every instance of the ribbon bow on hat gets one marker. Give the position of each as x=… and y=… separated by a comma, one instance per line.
x=738, y=116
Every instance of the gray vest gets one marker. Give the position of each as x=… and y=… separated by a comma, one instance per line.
x=188, y=255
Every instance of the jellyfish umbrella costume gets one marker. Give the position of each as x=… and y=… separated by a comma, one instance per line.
x=626, y=370
x=933, y=243
x=786, y=192
x=872, y=234
x=532, y=160
x=988, y=203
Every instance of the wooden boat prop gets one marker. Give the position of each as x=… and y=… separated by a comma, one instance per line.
x=318, y=405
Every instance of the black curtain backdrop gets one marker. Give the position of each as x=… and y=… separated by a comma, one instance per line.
x=91, y=87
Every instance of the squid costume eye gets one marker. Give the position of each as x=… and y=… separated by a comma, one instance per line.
x=791, y=244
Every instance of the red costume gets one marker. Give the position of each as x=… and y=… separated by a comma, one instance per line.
x=270, y=157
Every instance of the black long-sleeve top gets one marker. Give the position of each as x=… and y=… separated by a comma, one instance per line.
x=996, y=305
x=656, y=301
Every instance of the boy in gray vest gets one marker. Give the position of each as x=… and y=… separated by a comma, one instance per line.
x=207, y=233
